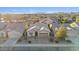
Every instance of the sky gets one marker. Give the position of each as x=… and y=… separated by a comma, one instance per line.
x=38, y=9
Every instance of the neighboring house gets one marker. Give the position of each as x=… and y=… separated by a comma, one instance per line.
x=46, y=21
x=70, y=20
x=2, y=25
x=12, y=30
x=55, y=22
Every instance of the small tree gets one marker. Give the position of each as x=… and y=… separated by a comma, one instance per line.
x=77, y=19
x=65, y=20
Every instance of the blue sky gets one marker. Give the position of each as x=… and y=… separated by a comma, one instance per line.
x=38, y=9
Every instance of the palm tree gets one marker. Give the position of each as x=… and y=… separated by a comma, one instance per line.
x=61, y=34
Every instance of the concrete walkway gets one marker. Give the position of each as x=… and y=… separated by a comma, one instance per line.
x=10, y=42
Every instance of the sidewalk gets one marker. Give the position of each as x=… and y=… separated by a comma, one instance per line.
x=10, y=42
